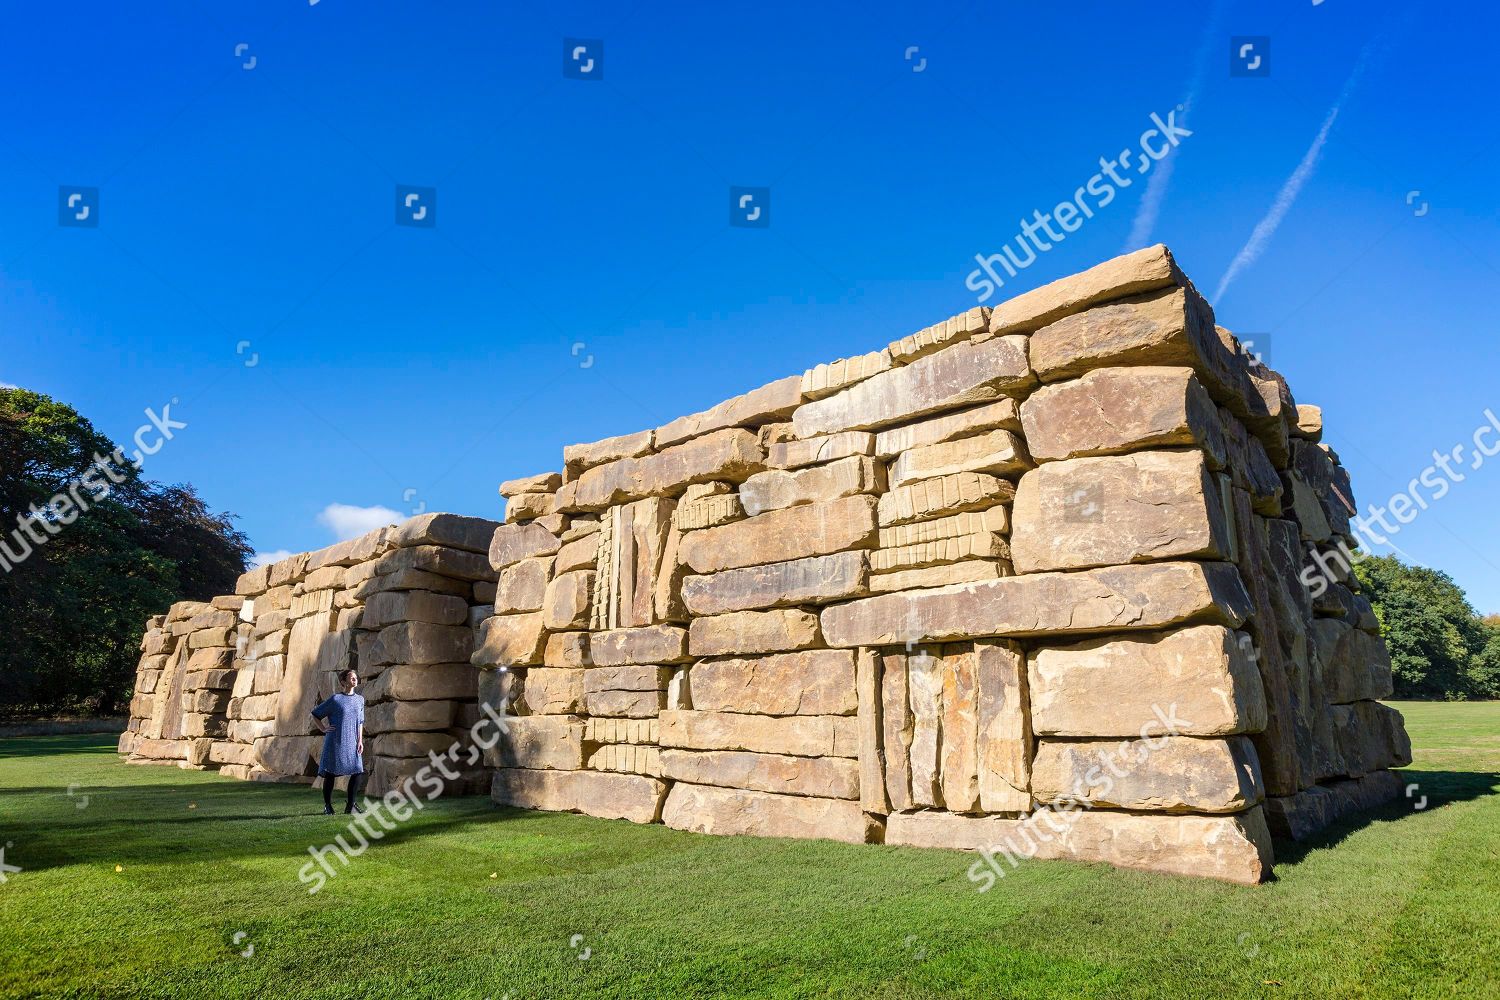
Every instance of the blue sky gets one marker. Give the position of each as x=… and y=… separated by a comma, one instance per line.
x=582, y=279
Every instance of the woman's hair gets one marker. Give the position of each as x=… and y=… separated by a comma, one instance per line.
x=344, y=674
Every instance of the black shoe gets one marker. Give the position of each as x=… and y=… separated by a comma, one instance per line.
x=352, y=809
x=328, y=810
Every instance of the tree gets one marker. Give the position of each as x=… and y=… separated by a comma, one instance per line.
x=1440, y=647
x=79, y=586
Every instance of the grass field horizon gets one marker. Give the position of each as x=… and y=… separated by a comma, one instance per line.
x=158, y=882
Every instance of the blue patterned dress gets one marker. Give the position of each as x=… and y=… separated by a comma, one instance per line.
x=345, y=714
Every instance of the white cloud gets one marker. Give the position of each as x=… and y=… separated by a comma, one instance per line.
x=348, y=521
x=266, y=558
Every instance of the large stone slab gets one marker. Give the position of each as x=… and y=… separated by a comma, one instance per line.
x=1205, y=676
x=963, y=374
x=800, y=735
x=897, y=725
x=651, y=644
x=731, y=455
x=797, y=581
x=1001, y=414
x=409, y=716
x=1131, y=274
x=578, y=457
x=1113, y=410
x=553, y=691
x=511, y=641
x=419, y=642
x=1175, y=774
x=775, y=489
x=771, y=402
x=818, y=450
x=705, y=809
x=541, y=742
x=523, y=585
x=513, y=542
x=1004, y=727
x=437, y=559
x=782, y=535
x=422, y=682
x=1355, y=665
x=872, y=796
x=826, y=379
x=750, y=632
x=811, y=682
x=822, y=777
x=925, y=694
x=945, y=495
x=1115, y=599
x=960, y=751
x=967, y=571
x=593, y=793
x=395, y=606
x=1118, y=509
x=997, y=453
x=565, y=605
x=456, y=531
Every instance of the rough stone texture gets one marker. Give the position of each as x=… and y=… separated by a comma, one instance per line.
x=1121, y=509
x=1004, y=727
x=1142, y=271
x=704, y=809
x=775, y=489
x=796, y=581
x=1113, y=410
x=818, y=450
x=553, y=691
x=966, y=571
x=775, y=401
x=1205, y=674
x=801, y=736
x=593, y=793
x=997, y=452
x=750, y=632
x=393, y=607
x=566, y=604
x=541, y=741
x=963, y=374
x=781, y=535
x=821, y=777
x=964, y=491
x=1120, y=598
x=732, y=455
x=1002, y=414
x=511, y=641
x=1159, y=774
x=542, y=482
x=650, y=644
x=812, y=682
x=514, y=542
x=934, y=338
x=825, y=380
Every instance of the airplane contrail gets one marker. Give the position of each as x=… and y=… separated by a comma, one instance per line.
x=1149, y=209
x=1266, y=228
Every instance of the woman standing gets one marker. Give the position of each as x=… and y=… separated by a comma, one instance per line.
x=342, y=720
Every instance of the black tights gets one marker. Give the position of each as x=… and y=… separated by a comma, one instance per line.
x=355, y=780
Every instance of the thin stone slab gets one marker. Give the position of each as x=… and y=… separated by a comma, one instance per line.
x=579, y=457
x=593, y=793
x=732, y=811
x=998, y=453
x=822, y=777
x=782, y=535
x=815, y=451
x=1110, y=411
x=730, y=455
x=1000, y=415
x=811, y=682
x=940, y=497
x=776, y=489
x=797, y=581
x=750, y=632
x=771, y=402
x=800, y=735
x=1131, y=274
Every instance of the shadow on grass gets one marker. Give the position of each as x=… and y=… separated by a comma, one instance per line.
x=48, y=746
x=1434, y=790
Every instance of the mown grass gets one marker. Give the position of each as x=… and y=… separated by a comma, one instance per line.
x=467, y=900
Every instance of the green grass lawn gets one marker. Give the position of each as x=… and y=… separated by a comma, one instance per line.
x=467, y=900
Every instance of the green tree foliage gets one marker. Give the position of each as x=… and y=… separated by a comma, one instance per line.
x=1440, y=647
x=72, y=607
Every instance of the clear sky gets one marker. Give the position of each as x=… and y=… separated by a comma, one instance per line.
x=582, y=278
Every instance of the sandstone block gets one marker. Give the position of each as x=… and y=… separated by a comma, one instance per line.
x=871, y=732
x=404, y=579
x=1002, y=414
x=709, y=511
x=395, y=606
x=730, y=455
x=1118, y=509
x=567, y=650
x=1113, y=410
x=1310, y=422
x=653, y=644
x=439, y=559
x=771, y=402
x=421, y=642
x=566, y=604
x=411, y=744
x=1355, y=665
x=933, y=498
x=514, y=542
x=642, y=677
x=825, y=380
x=1204, y=676
x=1131, y=274
x=968, y=571
x=1118, y=598
x=829, y=777
x=511, y=641
x=523, y=585
x=541, y=742
x=782, y=535
x=529, y=506
x=625, y=704
x=945, y=550
x=594, y=793
x=293, y=755
x=811, y=682
x=408, y=716
x=578, y=457
x=799, y=735
x=796, y=581
x=939, y=335
x=960, y=748
x=423, y=682
x=750, y=632
x=1004, y=727
x=924, y=673
x=958, y=376
x=472, y=534
x=543, y=482
x=997, y=452
x=815, y=451
x=1162, y=774
x=776, y=489
x=705, y=809
x=551, y=691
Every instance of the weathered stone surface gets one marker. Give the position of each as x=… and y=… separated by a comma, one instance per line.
x=422, y=682
x=1000, y=415
x=751, y=632
x=796, y=581
x=705, y=809
x=1118, y=598
x=960, y=752
x=543, y=742
x=984, y=545
x=731, y=455
x=1113, y=410
x=395, y=606
x=639, y=677
x=1004, y=727
x=511, y=641
x=1355, y=665
x=997, y=452
x=529, y=506
x=408, y=716
x=1250, y=468
x=782, y=535
x=775, y=489
x=709, y=511
x=968, y=571
x=814, y=451
x=637, y=585
x=1230, y=848
x=567, y=649
x=1142, y=271
x=421, y=642
x=925, y=695
x=771, y=402
x=472, y=534
x=798, y=735
x=553, y=691
x=1205, y=676
x=403, y=579
x=938, y=336
x=291, y=755
x=1310, y=422
x=811, y=682
x=822, y=777
x=932, y=498
x=578, y=457
x=1160, y=774
x=580, y=553
x=542, y=482
x=1118, y=509
x=439, y=559
x=411, y=744
x=1304, y=815
x=897, y=728
x=652, y=644
x=825, y=380
x=523, y=586
x=566, y=604
x=514, y=542
x=960, y=375
x=313, y=654
x=594, y=793
x=871, y=790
